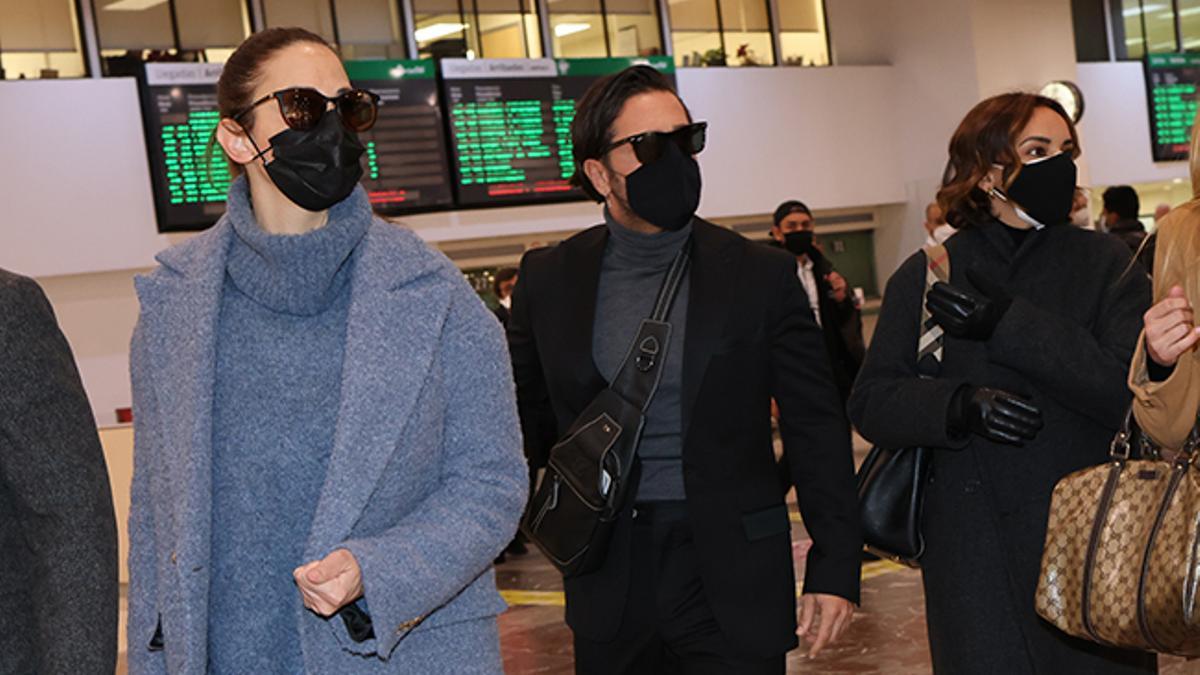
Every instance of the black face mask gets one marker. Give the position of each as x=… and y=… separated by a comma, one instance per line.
x=1045, y=189
x=319, y=167
x=666, y=192
x=799, y=242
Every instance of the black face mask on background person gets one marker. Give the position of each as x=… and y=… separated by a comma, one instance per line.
x=666, y=192
x=1045, y=189
x=799, y=242
x=319, y=167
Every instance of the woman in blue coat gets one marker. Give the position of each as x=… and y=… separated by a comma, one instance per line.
x=327, y=453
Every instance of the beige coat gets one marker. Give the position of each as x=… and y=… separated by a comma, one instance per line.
x=1167, y=410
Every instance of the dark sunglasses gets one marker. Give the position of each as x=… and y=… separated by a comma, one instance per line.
x=303, y=107
x=650, y=145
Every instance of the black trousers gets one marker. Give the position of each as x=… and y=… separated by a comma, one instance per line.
x=668, y=626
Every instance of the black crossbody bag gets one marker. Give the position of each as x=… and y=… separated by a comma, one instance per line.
x=591, y=475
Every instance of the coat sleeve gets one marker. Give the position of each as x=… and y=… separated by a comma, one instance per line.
x=538, y=423
x=417, y=566
x=1082, y=367
x=1166, y=410
x=143, y=575
x=891, y=405
x=53, y=469
x=816, y=441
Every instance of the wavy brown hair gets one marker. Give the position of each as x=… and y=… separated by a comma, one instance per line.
x=987, y=137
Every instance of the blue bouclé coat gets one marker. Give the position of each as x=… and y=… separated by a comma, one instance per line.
x=425, y=482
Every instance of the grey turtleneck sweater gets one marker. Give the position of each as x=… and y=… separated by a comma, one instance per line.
x=631, y=273
x=280, y=343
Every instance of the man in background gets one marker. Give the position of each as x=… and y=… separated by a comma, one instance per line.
x=58, y=535
x=502, y=286
x=1120, y=218
x=830, y=298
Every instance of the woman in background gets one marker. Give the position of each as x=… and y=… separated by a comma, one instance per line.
x=1040, y=319
x=327, y=457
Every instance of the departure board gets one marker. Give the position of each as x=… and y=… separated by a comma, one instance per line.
x=1171, y=81
x=510, y=124
x=407, y=166
x=179, y=103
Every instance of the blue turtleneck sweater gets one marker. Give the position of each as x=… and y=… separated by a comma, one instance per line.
x=280, y=343
x=631, y=273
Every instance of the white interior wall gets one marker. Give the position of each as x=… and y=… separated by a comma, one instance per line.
x=840, y=137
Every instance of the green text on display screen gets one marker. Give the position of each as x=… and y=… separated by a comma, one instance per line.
x=510, y=124
x=1171, y=82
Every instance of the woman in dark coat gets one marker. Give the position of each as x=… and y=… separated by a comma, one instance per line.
x=1040, y=322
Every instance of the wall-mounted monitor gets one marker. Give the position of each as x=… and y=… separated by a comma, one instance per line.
x=179, y=112
x=407, y=165
x=510, y=121
x=1171, y=82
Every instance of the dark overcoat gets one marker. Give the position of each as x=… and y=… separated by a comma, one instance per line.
x=1065, y=342
x=58, y=535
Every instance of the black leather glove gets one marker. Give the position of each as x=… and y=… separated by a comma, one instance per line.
x=966, y=314
x=994, y=414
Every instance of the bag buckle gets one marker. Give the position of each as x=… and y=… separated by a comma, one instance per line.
x=648, y=352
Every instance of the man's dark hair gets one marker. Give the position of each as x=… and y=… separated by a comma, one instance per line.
x=505, y=274
x=788, y=208
x=591, y=130
x=1123, y=201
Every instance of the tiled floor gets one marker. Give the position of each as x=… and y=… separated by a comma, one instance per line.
x=886, y=636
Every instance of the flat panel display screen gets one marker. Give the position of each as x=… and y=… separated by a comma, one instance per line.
x=510, y=124
x=1171, y=81
x=407, y=166
x=179, y=111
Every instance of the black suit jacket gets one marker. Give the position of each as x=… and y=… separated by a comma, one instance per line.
x=749, y=338
x=842, y=324
x=58, y=537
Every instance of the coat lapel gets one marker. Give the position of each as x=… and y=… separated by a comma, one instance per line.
x=397, y=309
x=180, y=308
x=578, y=307
x=710, y=294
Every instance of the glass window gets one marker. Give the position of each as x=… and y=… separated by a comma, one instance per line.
x=507, y=29
x=1189, y=24
x=441, y=28
x=39, y=40
x=696, y=33
x=803, y=40
x=1158, y=20
x=578, y=29
x=1148, y=27
x=493, y=29
x=315, y=15
x=131, y=32
x=370, y=29
x=725, y=32
x=634, y=28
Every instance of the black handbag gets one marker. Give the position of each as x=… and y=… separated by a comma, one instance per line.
x=592, y=472
x=891, y=482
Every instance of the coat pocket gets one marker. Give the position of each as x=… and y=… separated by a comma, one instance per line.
x=766, y=522
x=156, y=640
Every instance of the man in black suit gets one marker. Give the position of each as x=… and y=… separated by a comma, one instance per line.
x=58, y=536
x=698, y=575
x=829, y=297
x=502, y=286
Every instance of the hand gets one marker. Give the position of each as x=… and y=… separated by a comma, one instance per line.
x=330, y=584
x=996, y=415
x=823, y=619
x=1170, y=329
x=837, y=285
x=965, y=314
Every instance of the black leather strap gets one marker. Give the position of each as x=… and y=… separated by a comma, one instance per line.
x=641, y=371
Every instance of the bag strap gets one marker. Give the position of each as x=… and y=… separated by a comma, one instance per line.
x=640, y=372
x=937, y=268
